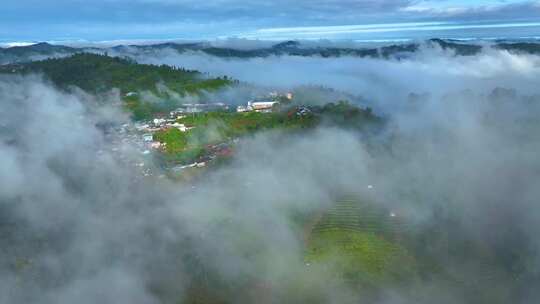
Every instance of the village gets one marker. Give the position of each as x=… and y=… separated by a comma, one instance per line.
x=142, y=135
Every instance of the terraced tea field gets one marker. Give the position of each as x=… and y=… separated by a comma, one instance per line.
x=359, y=242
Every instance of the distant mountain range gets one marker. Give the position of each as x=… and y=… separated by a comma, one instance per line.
x=34, y=52
x=288, y=48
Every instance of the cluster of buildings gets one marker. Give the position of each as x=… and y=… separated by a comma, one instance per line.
x=141, y=135
x=159, y=123
x=149, y=143
x=121, y=142
x=147, y=129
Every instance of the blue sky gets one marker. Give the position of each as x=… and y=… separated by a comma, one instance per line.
x=100, y=20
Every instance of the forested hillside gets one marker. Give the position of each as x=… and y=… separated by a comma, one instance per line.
x=96, y=73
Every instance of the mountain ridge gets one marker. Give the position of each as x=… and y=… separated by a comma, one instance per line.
x=286, y=48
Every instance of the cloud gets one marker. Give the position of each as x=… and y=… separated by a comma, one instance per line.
x=121, y=19
x=80, y=221
x=385, y=83
x=494, y=10
x=391, y=30
x=457, y=165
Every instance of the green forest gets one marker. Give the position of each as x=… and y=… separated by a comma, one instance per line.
x=95, y=73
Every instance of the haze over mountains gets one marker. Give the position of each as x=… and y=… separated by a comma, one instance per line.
x=402, y=173
x=438, y=203
x=269, y=152
x=254, y=49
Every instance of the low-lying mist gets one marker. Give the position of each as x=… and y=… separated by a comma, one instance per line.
x=456, y=163
x=384, y=82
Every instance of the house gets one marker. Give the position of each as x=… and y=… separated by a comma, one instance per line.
x=176, y=115
x=181, y=127
x=159, y=121
x=241, y=109
x=303, y=111
x=148, y=137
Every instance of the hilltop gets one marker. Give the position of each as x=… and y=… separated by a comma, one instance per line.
x=34, y=51
x=96, y=73
x=298, y=48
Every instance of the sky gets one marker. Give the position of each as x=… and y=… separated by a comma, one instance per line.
x=105, y=20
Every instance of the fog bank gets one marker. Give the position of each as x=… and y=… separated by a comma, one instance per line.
x=457, y=165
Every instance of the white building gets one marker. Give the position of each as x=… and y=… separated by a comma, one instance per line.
x=262, y=106
x=181, y=127
x=258, y=106
x=159, y=121
x=241, y=109
x=148, y=137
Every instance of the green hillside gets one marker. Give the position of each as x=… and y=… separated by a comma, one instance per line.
x=222, y=126
x=367, y=246
x=99, y=73
x=359, y=244
x=95, y=73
